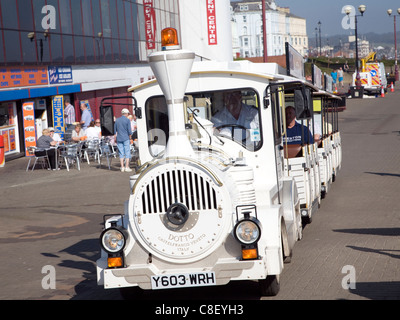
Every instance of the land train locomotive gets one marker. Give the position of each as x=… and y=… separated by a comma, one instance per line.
x=212, y=202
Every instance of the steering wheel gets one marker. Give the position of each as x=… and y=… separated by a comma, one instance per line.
x=232, y=126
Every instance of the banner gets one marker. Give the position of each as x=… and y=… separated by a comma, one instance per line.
x=62, y=74
x=58, y=115
x=150, y=23
x=211, y=23
x=294, y=62
x=22, y=76
x=28, y=115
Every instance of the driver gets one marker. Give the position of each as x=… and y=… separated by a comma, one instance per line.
x=235, y=113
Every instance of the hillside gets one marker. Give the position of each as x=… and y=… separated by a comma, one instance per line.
x=384, y=39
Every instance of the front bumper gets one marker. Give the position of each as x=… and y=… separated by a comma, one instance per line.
x=225, y=269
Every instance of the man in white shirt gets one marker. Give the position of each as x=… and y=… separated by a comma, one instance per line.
x=56, y=137
x=236, y=114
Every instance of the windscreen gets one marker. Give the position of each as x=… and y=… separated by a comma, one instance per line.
x=234, y=115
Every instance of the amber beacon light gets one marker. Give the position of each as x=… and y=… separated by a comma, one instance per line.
x=169, y=38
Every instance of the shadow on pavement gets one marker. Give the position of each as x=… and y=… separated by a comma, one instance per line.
x=378, y=290
x=394, y=232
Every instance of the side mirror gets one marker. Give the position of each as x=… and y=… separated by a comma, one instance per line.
x=107, y=120
x=303, y=103
x=138, y=112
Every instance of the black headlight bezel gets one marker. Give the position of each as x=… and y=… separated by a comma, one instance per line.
x=124, y=234
x=256, y=223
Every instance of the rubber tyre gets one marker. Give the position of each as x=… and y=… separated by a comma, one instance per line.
x=130, y=293
x=270, y=286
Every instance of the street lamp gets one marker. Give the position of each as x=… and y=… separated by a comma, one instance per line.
x=320, y=44
x=34, y=37
x=316, y=41
x=348, y=10
x=396, y=71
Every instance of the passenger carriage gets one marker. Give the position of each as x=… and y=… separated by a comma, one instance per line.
x=335, y=136
x=329, y=146
x=302, y=160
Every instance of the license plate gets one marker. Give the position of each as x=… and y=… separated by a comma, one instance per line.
x=182, y=280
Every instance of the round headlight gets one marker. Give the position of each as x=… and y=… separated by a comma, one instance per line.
x=113, y=240
x=247, y=232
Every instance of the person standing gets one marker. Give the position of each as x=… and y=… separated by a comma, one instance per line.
x=346, y=67
x=132, y=119
x=334, y=76
x=69, y=113
x=123, y=130
x=340, y=77
x=86, y=116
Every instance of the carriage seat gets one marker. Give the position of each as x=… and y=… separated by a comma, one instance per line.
x=292, y=150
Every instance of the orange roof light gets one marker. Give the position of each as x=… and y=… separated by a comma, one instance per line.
x=169, y=37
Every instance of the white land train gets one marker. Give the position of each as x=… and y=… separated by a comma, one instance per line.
x=211, y=203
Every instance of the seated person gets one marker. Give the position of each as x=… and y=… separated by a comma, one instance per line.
x=44, y=144
x=98, y=126
x=235, y=113
x=56, y=137
x=295, y=130
x=78, y=134
x=92, y=132
x=315, y=128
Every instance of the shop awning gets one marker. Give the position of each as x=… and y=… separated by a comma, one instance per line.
x=28, y=93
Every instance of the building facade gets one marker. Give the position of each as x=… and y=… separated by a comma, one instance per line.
x=57, y=50
x=281, y=27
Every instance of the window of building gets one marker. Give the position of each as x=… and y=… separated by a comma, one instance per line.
x=87, y=31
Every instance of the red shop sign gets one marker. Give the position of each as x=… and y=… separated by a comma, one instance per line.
x=150, y=23
x=211, y=23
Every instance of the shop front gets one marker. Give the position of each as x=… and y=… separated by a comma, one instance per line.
x=9, y=127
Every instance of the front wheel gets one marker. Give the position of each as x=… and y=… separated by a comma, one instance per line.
x=270, y=286
x=131, y=293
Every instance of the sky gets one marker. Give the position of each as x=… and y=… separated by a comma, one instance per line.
x=329, y=12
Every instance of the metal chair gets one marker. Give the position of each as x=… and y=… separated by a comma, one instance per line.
x=70, y=154
x=44, y=159
x=107, y=151
x=92, y=149
x=135, y=155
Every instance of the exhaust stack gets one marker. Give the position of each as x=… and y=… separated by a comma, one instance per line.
x=172, y=69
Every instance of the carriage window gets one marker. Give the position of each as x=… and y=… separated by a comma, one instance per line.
x=276, y=103
x=234, y=114
x=157, y=124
